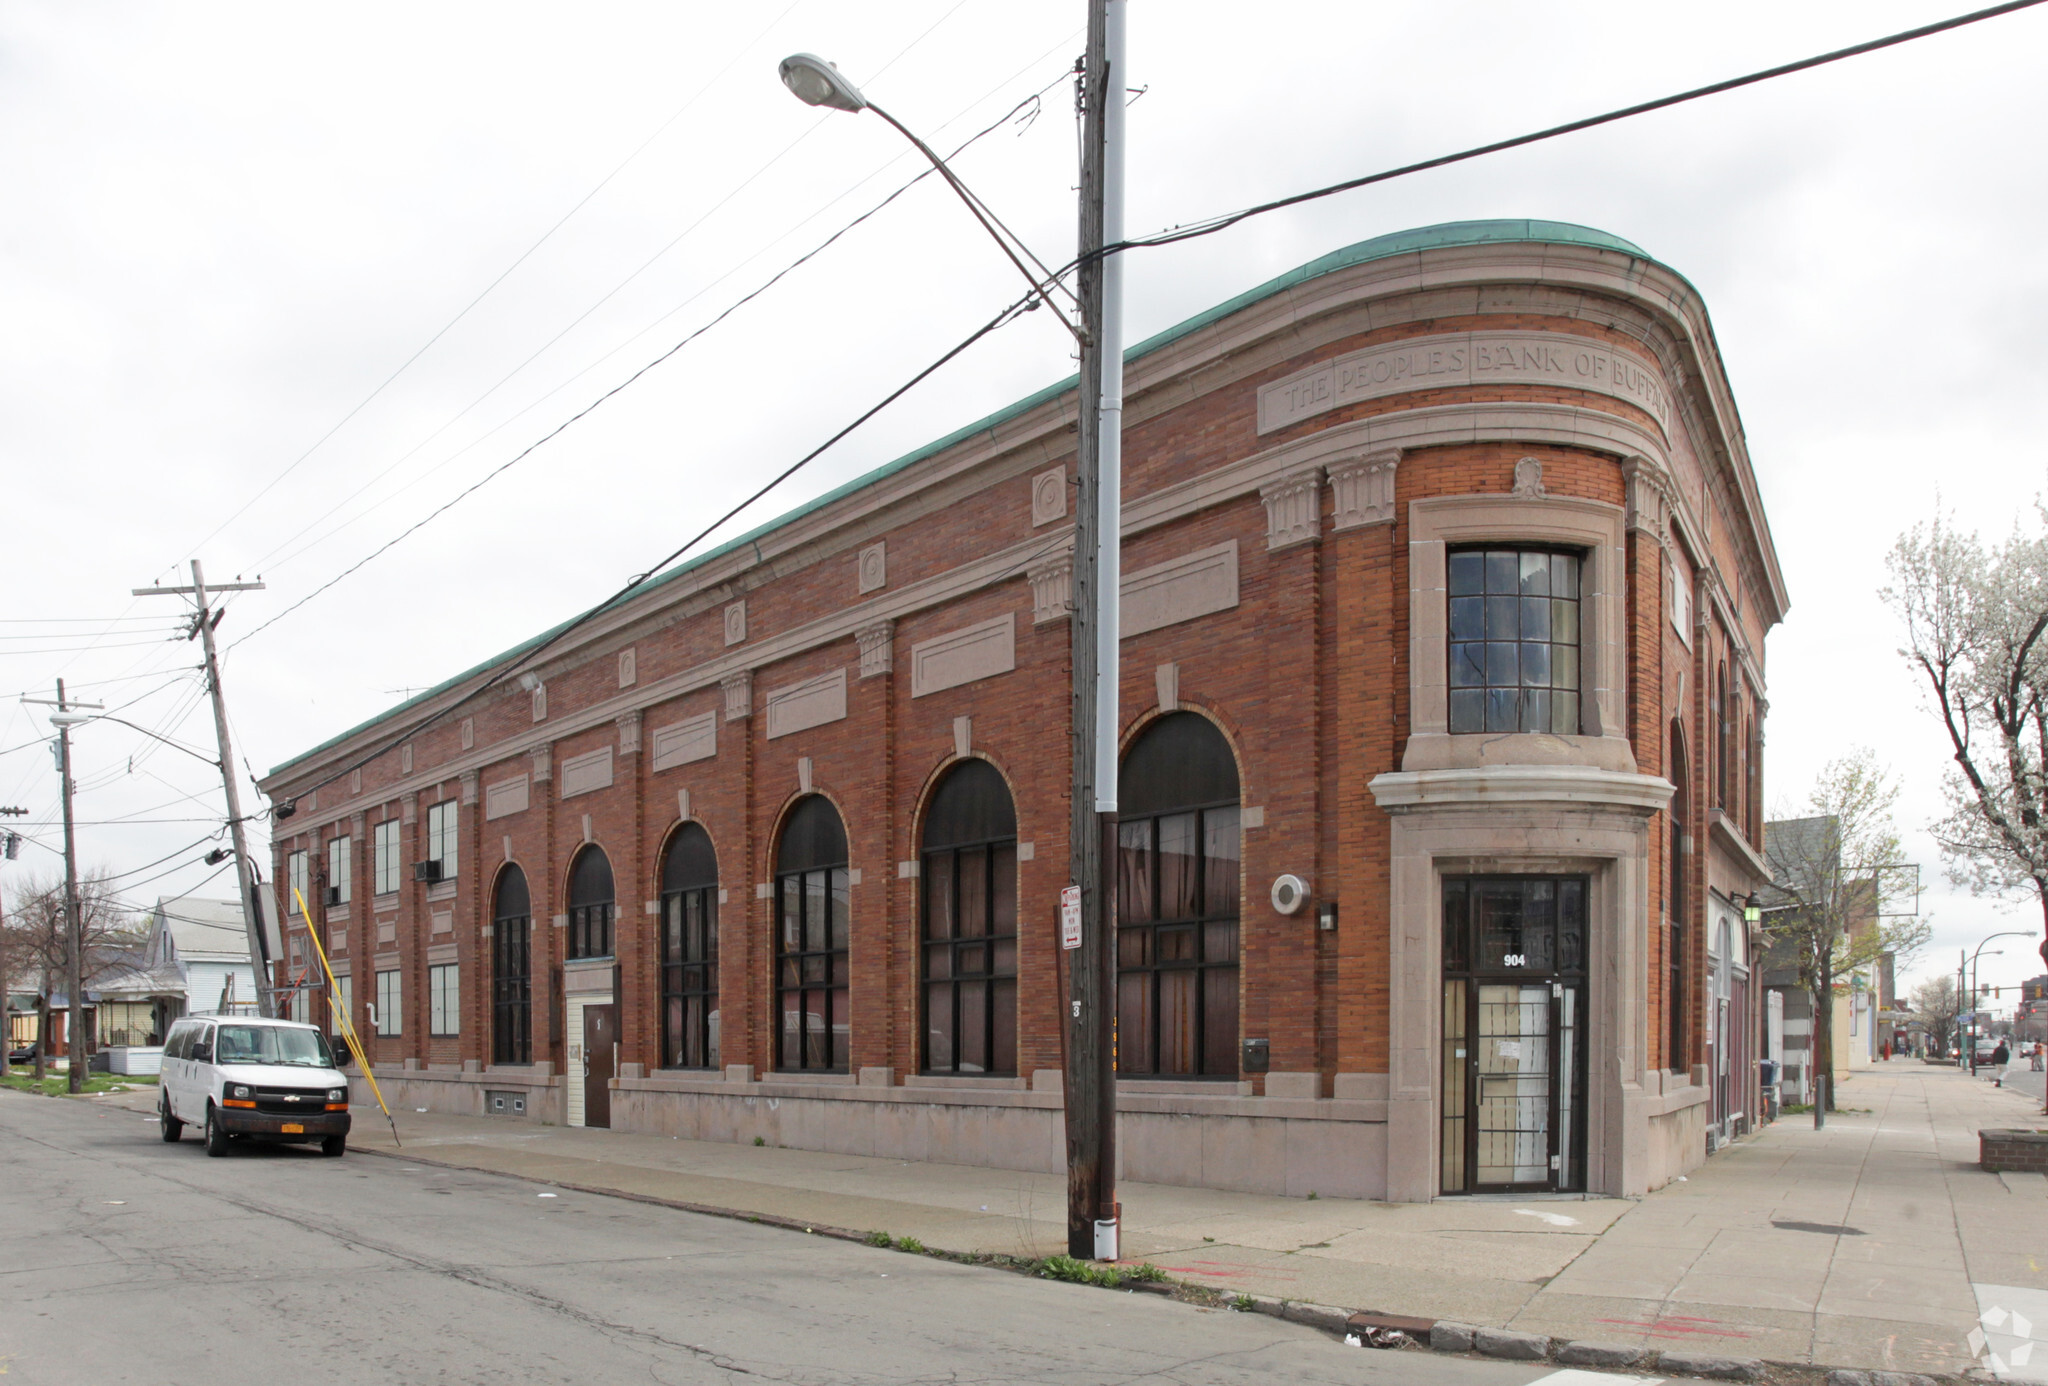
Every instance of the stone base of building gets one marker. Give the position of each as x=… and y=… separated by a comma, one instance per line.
x=1676, y=1109
x=1195, y=1135
x=526, y=1093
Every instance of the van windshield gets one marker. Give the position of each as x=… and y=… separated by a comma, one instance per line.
x=268, y=1044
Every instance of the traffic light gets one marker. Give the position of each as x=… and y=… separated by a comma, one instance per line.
x=13, y=846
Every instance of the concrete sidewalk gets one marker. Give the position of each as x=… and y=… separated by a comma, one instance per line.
x=1874, y=1244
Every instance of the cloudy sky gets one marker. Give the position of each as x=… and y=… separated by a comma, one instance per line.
x=281, y=281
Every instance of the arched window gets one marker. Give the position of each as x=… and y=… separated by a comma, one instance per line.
x=969, y=924
x=1177, y=900
x=810, y=939
x=511, y=934
x=1723, y=715
x=1674, y=930
x=591, y=904
x=689, y=951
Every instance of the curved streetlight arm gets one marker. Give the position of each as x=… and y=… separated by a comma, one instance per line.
x=989, y=223
x=176, y=746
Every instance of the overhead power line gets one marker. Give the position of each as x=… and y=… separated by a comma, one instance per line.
x=503, y=275
x=1006, y=316
x=1212, y=225
x=569, y=422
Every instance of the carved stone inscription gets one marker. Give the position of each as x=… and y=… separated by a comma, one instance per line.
x=1465, y=358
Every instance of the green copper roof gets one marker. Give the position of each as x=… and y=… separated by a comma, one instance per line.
x=1445, y=236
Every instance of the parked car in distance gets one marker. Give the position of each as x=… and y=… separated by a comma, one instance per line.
x=245, y=1078
x=24, y=1054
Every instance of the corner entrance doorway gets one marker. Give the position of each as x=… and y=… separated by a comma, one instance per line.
x=1514, y=1052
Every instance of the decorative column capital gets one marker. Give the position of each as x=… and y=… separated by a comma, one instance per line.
x=739, y=694
x=1294, y=508
x=1052, y=588
x=877, y=648
x=543, y=757
x=1362, y=489
x=1650, y=500
x=629, y=733
x=469, y=786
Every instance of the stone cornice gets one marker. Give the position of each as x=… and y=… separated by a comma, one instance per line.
x=1587, y=284
x=1558, y=786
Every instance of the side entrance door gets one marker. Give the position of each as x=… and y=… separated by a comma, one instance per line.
x=600, y=1060
x=1514, y=979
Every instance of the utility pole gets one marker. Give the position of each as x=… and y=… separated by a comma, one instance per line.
x=10, y=840
x=66, y=715
x=203, y=623
x=1090, y=1086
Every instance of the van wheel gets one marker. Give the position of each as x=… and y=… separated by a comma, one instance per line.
x=333, y=1146
x=216, y=1139
x=173, y=1128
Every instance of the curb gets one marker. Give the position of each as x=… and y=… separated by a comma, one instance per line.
x=1365, y=1327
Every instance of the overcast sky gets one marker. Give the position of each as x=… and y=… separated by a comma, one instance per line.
x=265, y=305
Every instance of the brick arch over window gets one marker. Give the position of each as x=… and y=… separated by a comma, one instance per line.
x=593, y=904
x=511, y=968
x=812, y=922
x=967, y=923
x=689, y=949
x=1178, y=852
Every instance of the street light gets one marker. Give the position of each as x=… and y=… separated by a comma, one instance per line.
x=1971, y=1058
x=1090, y=1087
x=819, y=83
x=816, y=82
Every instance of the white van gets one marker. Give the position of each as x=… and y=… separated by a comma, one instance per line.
x=244, y=1077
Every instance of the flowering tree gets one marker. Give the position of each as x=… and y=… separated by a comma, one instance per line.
x=1976, y=622
x=1832, y=873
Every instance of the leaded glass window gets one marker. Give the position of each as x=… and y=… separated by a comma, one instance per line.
x=1514, y=640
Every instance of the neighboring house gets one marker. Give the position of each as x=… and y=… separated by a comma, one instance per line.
x=1860, y=993
x=196, y=958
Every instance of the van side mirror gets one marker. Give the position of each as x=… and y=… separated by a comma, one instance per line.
x=202, y=1053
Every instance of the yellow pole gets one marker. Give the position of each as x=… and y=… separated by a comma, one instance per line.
x=348, y=1025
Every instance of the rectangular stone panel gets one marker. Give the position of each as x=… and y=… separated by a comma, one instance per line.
x=1466, y=358
x=591, y=770
x=979, y=651
x=1180, y=589
x=506, y=797
x=812, y=703
x=679, y=743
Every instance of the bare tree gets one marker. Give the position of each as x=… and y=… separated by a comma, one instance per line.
x=1936, y=1004
x=1976, y=622
x=38, y=944
x=1832, y=871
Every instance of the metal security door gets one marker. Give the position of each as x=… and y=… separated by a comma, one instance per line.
x=1511, y=1121
x=600, y=1044
x=1513, y=1048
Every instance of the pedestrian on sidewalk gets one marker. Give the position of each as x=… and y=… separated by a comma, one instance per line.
x=2034, y=1056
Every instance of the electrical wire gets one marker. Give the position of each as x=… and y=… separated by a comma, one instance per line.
x=531, y=448
x=272, y=561
x=1210, y=226
x=504, y=274
x=1006, y=316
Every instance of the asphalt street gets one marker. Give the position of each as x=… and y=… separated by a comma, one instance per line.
x=124, y=1259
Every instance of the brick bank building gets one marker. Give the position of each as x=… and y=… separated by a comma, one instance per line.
x=1446, y=589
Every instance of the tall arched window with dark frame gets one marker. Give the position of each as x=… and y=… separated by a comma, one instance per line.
x=812, y=926
x=689, y=950
x=1178, y=854
x=511, y=969
x=593, y=903
x=968, y=924
x=1678, y=811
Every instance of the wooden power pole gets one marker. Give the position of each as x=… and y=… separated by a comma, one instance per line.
x=203, y=623
x=1090, y=1079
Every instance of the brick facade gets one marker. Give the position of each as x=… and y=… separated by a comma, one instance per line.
x=1300, y=643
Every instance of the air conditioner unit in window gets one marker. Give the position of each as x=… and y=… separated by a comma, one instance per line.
x=426, y=871
x=333, y=896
